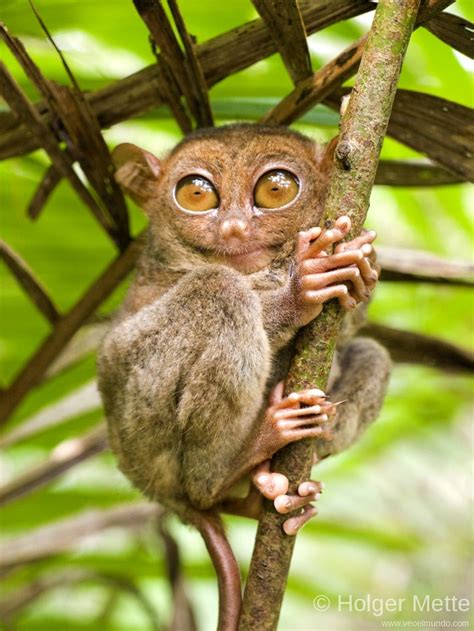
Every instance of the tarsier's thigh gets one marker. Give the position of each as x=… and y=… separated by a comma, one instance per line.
x=222, y=389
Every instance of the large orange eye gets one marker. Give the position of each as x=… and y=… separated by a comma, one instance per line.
x=196, y=193
x=275, y=189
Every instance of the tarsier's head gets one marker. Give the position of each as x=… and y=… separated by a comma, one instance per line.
x=232, y=194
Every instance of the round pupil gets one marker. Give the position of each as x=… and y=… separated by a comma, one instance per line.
x=275, y=189
x=196, y=193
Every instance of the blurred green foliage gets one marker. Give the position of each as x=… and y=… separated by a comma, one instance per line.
x=395, y=519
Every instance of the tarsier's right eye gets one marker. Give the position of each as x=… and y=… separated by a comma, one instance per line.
x=196, y=193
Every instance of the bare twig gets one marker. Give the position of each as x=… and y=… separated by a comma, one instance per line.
x=36, y=367
x=362, y=130
x=314, y=89
x=197, y=82
x=184, y=67
x=414, y=173
x=183, y=617
x=286, y=26
x=31, y=285
x=454, y=31
x=416, y=266
x=61, y=536
x=415, y=348
x=441, y=129
x=65, y=456
x=50, y=180
x=219, y=57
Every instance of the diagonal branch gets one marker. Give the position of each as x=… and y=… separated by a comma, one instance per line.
x=18, y=101
x=219, y=57
x=50, y=180
x=36, y=367
x=416, y=348
x=314, y=89
x=362, y=130
x=454, y=31
x=26, y=278
x=286, y=26
x=60, y=536
x=65, y=456
x=184, y=70
x=74, y=122
x=201, y=106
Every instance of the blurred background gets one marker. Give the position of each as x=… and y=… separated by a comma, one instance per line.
x=396, y=516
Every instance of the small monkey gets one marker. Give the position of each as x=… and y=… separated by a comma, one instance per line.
x=191, y=372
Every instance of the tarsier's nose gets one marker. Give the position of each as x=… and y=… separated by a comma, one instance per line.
x=237, y=228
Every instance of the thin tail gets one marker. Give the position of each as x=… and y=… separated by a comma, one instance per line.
x=211, y=528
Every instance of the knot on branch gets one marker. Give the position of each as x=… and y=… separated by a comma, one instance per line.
x=344, y=152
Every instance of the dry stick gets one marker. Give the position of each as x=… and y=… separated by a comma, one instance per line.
x=454, y=31
x=60, y=536
x=415, y=348
x=195, y=71
x=31, y=285
x=65, y=328
x=362, y=130
x=414, y=173
x=219, y=57
x=17, y=100
x=50, y=180
x=174, y=59
x=316, y=88
x=439, y=128
x=65, y=456
x=286, y=26
x=74, y=122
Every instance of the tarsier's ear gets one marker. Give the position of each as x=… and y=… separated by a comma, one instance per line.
x=136, y=171
x=327, y=159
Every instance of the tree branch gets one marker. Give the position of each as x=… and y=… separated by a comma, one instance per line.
x=36, y=367
x=416, y=348
x=65, y=455
x=63, y=535
x=362, y=130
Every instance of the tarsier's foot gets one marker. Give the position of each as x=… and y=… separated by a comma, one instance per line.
x=274, y=486
x=349, y=274
x=288, y=419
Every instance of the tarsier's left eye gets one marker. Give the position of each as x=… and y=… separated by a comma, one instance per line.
x=196, y=193
x=275, y=189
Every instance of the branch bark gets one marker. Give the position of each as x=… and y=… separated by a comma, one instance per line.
x=362, y=130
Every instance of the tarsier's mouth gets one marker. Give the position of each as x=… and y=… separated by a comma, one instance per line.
x=249, y=261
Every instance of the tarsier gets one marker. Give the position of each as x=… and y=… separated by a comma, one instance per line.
x=191, y=372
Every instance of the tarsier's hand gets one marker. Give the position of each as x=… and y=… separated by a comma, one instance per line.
x=349, y=274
